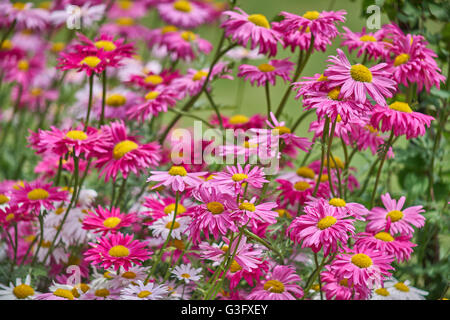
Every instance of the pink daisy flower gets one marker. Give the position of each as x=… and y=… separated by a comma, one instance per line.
x=183, y=14
x=24, y=70
x=392, y=216
x=36, y=195
x=236, y=274
x=400, y=118
x=370, y=43
x=365, y=136
x=185, y=44
x=83, y=61
x=125, y=27
x=335, y=289
x=117, y=250
x=162, y=206
x=280, y=284
x=341, y=207
x=267, y=72
x=321, y=227
x=299, y=38
x=127, y=8
x=24, y=15
x=316, y=83
x=300, y=191
x=155, y=101
x=177, y=178
x=240, y=121
x=150, y=80
x=105, y=221
x=241, y=27
x=236, y=176
x=263, y=212
x=362, y=267
x=356, y=81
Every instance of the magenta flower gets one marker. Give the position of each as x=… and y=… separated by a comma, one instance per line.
x=263, y=212
x=183, y=13
x=105, y=221
x=155, y=101
x=340, y=289
x=24, y=15
x=184, y=45
x=370, y=43
x=299, y=38
x=236, y=176
x=341, y=207
x=177, y=178
x=300, y=191
x=267, y=72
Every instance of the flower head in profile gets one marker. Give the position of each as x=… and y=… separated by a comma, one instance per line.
x=154, y=102
x=267, y=72
x=20, y=290
x=23, y=15
x=177, y=178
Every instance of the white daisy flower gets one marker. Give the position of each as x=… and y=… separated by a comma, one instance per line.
x=404, y=291
x=19, y=291
x=125, y=277
x=187, y=273
x=139, y=291
x=240, y=53
x=381, y=294
x=162, y=226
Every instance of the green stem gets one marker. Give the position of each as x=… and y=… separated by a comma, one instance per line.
x=326, y=128
x=330, y=142
x=91, y=87
x=268, y=99
x=104, y=81
x=216, y=109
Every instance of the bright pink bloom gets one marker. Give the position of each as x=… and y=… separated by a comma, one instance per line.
x=370, y=43
x=24, y=15
x=300, y=191
x=154, y=102
x=183, y=14
x=340, y=289
x=177, y=178
x=301, y=39
x=105, y=221
x=236, y=176
x=341, y=207
x=263, y=212
x=185, y=44
x=267, y=72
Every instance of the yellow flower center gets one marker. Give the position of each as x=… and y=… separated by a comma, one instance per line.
x=3, y=199
x=125, y=4
x=23, y=65
x=115, y=100
x=144, y=294
x=199, y=75
x=9, y=217
x=64, y=293
x=7, y=45
x=265, y=67
x=125, y=21
x=178, y=171
x=105, y=45
x=170, y=225
x=76, y=135
x=400, y=106
x=274, y=286
x=334, y=94
x=185, y=275
x=281, y=130
x=91, y=61
x=259, y=20
x=326, y=222
x=305, y=172
x=215, y=207
x=384, y=236
x=152, y=95
x=337, y=202
x=401, y=286
x=247, y=206
x=102, y=293
x=168, y=29
x=344, y=282
x=239, y=177
x=283, y=213
x=129, y=275
x=322, y=78
x=183, y=6
x=368, y=38
x=46, y=244
x=153, y=79
x=301, y=186
x=36, y=92
x=171, y=208
x=371, y=129
x=19, y=5
x=58, y=46
x=361, y=260
x=311, y=15
x=119, y=251
x=239, y=119
x=382, y=292
x=338, y=160
x=360, y=73
x=188, y=35
x=179, y=244
x=111, y=222
x=23, y=291
x=38, y=194
x=395, y=215
x=235, y=267
x=123, y=148
x=401, y=59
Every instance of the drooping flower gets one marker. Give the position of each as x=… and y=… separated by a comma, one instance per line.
x=20, y=290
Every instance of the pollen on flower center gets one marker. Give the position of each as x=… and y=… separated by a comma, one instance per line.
x=116, y=100
x=235, y=267
x=23, y=65
x=144, y=294
x=238, y=119
x=129, y=275
x=105, y=45
x=19, y=5
x=305, y=172
x=9, y=217
x=362, y=260
x=168, y=29
x=400, y=106
x=401, y=59
x=125, y=21
x=171, y=208
x=259, y=20
x=111, y=222
x=64, y=293
x=125, y=4
x=274, y=286
x=265, y=67
x=91, y=61
x=360, y=73
x=185, y=275
x=280, y=130
x=3, y=199
x=247, y=206
x=215, y=207
x=178, y=171
x=36, y=92
x=123, y=148
x=153, y=79
x=395, y=215
x=368, y=38
x=301, y=186
x=239, y=177
x=102, y=293
x=119, y=251
x=344, y=282
x=283, y=213
x=322, y=78
x=38, y=194
x=337, y=202
x=23, y=291
x=183, y=6
x=326, y=222
x=76, y=135
x=199, y=75
x=382, y=292
x=152, y=95
x=370, y=128
x=170, y=225
x=311, y=15
x=401, y=286
x=334, y=94
x=384, y=236
x=188, y=35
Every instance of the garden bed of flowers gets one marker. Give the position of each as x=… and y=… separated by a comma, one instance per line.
x=123, y=176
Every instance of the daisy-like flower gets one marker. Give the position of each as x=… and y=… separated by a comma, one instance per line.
x=117, y=250
x=127, y=8
x=37, y=195
x=403, y=290
x=21, y=290
x=280, y=284
x=161, y=206
x=316, y=83
x=24, y=70
x=362, y=267
x=356, y=81
x=141, y=291
x=263, y=212
x=149, y=79
x=57, y=294
x=120, y=152
x=88, y=13
x=321, y=227
x=240, y=121
x=187, y=273
x=117, y=102
x=400, y=118
x=23, y=15
x=267, y=72
x=183, y=13
x=255, y=28
x=155, y=101
x=241, y=53
x=341, y=207
x=125, y=27
x=381, y=293
x=335, y=289
x=236, y=176
x=126, y=277
x=177, y=178
x=365, y=136
x=161, y=227
x=300, y=191
x=104, y=220
x=399, y=246
x=184, y=45
x=398, y=220
x=370, y=43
